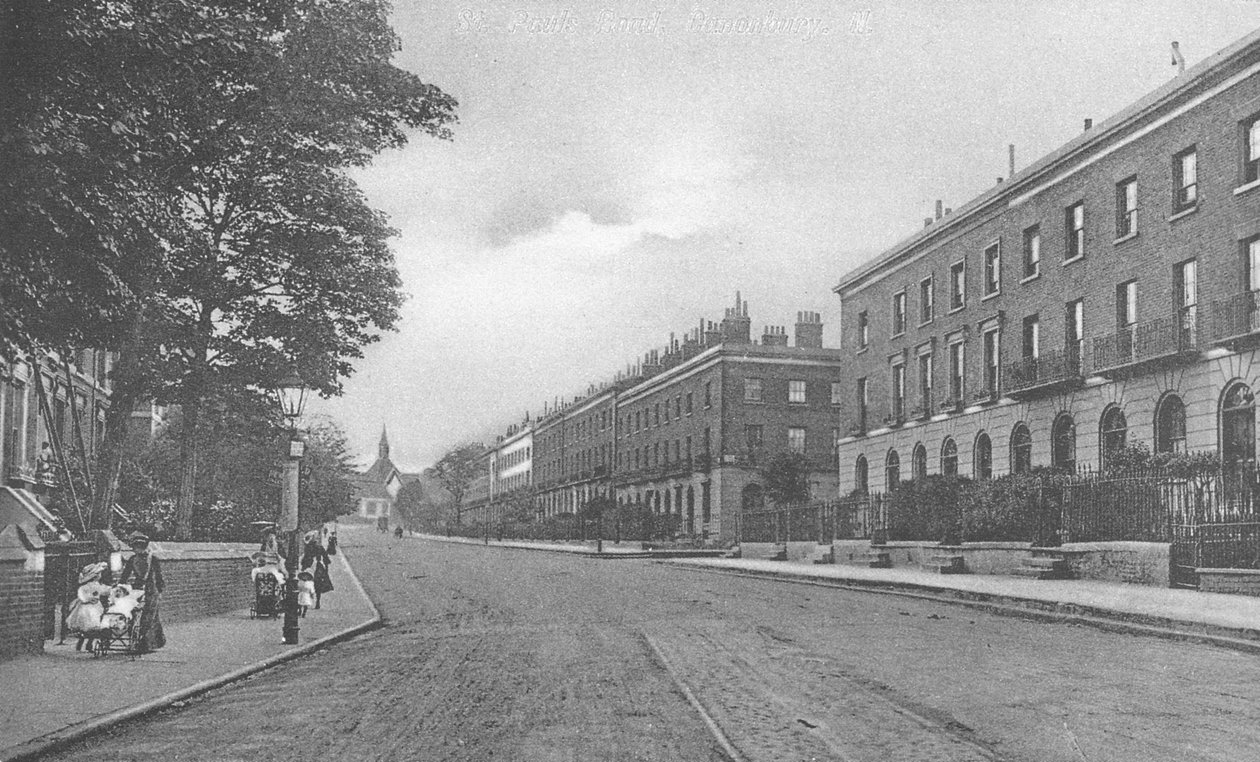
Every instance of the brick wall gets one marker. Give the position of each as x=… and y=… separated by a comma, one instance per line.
x=1233, y=581
x=21, y=598
x=205, y=587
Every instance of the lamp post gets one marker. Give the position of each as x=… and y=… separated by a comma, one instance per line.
x=290, y=396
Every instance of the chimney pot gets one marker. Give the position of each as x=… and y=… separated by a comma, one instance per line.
x=939, y=206
x=1010, y=150
x=1089, y=123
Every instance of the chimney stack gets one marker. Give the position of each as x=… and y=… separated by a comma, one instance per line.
x=927, y=222
x=775, y=335
x=1089, y=123
x=809, y=330
x=1010, y=150
x=939, y=207
x=712, y=335
x=736, y=327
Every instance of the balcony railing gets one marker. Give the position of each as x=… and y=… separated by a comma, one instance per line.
x=1234, y=318
x=1166, y=338
x=1048, y=372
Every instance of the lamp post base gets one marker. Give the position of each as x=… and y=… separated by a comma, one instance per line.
x=289, y=631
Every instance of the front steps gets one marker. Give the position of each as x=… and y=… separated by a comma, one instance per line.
x=1045, y=564
x=943, y=563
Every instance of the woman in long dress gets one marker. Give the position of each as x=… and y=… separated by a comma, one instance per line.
x=146, y=570
x=315, y=560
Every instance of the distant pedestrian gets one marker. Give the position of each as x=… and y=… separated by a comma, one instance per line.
x=145, y=570
x=398, y=532
x=315, y=560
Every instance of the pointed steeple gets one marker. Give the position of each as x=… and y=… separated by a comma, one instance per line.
x=382, y=451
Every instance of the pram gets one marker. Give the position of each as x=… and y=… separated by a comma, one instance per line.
x=268, y=593
x=119, y=631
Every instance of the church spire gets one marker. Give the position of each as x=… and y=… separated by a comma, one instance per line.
x=382, y=452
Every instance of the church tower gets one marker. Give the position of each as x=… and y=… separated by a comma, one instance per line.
x=382, y=451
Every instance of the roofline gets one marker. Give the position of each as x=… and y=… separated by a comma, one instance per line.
x=1181, y=87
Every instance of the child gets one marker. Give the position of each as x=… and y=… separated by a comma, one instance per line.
x=88, y=607
x=306, y=592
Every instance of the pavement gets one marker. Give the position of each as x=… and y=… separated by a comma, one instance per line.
x=1230, y=621
x=62, y=695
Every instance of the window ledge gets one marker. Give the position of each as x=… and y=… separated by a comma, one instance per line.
x=897, y=335
x=1030, y=278
x=863, y=350
x=987, y=297
x=1076, y=258
x=1123, y=238
x=1184, y=213
x=926, y=322
x=1246, y=187
x=954, y=310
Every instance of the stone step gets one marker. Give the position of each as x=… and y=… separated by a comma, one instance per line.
x=944, y=564
x=1045, y=562
x=878, y=559
x=1037, y=572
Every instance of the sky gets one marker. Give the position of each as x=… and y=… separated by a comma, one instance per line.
x=620, y=170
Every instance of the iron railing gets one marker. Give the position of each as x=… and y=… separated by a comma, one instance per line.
x=1049, y=369
x=1164, y=337
x=1234, y=317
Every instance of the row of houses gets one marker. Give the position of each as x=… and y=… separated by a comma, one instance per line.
x=1104, y=295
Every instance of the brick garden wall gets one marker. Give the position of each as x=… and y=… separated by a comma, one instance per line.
x=204, y=579
x=21, y=598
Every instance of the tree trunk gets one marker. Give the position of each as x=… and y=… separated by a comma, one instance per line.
x=187, y=468
x=128, y=386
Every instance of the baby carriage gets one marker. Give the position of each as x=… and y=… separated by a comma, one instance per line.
x=268, y=592
x=119, y=623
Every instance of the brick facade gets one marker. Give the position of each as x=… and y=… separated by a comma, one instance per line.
x=22, y=600
x=1172, y=342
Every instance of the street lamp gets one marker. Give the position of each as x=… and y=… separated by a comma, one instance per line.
x=290, y=397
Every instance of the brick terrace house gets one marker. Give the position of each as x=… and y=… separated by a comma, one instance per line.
x=1105, y=294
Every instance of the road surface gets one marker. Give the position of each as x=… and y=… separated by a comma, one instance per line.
x=494, y=653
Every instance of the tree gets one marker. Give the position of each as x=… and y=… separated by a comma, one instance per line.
x=279, y=263
x=786, y=476
x=457, y=469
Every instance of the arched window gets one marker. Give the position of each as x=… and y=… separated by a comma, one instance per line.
x=1063, y=443
x=1170, y=425
x=949, y=457
x=861, y=481
x=892, y=470
x=1238, y=433
x=1021, y=449
x=984, y=457
x=918, y=462
x=1113, y=432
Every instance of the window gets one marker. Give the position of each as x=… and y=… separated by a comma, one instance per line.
x=678, y=407
x=992, y=358
x=708, y=393
x=752, y=390
x=983, y=465
x=1238, y=435
x=1021, y=449
x=949, y=457
x=899, y=392
x=993, y=269
x=918, y=462
x=861, y=401
x=864, y=330
x=958, y=285
x=892, y=470
x=1186, y=293
x=796, y=440
x=861, y=476
x=835, y=446
x=1074, y=329
x=899, y=313
x=837, y=393
x=796, y=392
x=957, y=358
x=925, y=382
x=1063, y=443
x=1170, y=425
x=1032, y=337
x=1251, y=270
x=1126, y=305
x=926, y=305
x=753, y=434
x=689, y=395
x=1032, y=252
x=656, y=419
x=1113, y=433
x=1126, y=208
x=1251, y=149
x=1074, y=233
x=1185, y=180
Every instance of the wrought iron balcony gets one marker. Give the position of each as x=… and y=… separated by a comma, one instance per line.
x=857, y=428
x=986, y=396
x=921, y=412
x=894, y=419
x=1154, y=342
x=1049, y=372
x=952, y=404
x=1234, y=320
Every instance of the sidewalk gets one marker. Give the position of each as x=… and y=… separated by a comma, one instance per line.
x=62, y=695
x=1232, y=621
